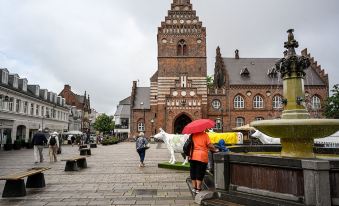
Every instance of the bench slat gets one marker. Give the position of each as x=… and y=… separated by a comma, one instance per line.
x=21, y=175
x=73, y=159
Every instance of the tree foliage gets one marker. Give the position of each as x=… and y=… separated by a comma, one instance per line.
x=331, y=106
x=210, y=81
x=104, y=123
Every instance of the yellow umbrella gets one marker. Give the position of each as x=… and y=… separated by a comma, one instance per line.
x=246, y=127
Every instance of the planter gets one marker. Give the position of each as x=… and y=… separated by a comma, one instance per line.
x=8, y=147
x=29, y=145
x=16, y=146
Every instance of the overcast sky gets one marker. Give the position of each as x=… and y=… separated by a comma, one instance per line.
x=101, y=46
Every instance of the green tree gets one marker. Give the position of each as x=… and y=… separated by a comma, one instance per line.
x=331, y=106
x=104, y=123
x=210, y=81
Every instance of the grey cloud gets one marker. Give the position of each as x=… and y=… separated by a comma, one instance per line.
x=102, y=46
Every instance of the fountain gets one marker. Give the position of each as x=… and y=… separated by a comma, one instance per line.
x=295, y=128
x=296, y=176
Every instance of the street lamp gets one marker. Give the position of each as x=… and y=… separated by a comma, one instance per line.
x=152, y=122
x=142, y=107
x=222, y=120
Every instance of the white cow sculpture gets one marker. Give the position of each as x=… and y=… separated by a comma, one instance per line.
x=330, y=141
x=265, y=139
x=174, y=143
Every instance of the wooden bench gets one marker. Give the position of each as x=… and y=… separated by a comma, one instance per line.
x=84, y=146
x=93, y=145
x=74, y=163
x=15, y=184
x=85, y=151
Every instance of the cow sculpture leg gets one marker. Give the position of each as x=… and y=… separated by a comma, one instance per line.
x=185, y=158
x=172, y=161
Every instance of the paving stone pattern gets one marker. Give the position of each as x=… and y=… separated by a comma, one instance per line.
x=113, y=177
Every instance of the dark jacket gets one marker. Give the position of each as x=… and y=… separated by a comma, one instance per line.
x=39, y=138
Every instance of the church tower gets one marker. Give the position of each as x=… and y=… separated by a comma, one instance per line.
x=178, y=88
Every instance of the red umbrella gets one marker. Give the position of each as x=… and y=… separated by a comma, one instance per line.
x=199, y=125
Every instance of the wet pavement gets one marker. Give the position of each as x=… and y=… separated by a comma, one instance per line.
x=113, y=177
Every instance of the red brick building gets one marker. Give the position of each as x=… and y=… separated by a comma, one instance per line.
x=244, y=89
x=81, y=102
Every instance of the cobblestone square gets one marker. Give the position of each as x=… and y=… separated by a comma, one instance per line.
x=113, y=177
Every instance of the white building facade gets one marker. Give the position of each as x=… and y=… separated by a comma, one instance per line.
x=25, y=108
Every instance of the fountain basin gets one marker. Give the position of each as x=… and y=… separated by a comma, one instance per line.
x=297, y=135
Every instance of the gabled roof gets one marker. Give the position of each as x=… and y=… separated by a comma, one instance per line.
x=123, y=111
x=259, y=69
x=126, y=101
x=142, y=96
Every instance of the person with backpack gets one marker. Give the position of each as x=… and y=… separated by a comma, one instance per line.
x=201, y=144
x=53, y=144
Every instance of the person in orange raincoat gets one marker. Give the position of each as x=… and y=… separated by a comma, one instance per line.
x=199, y=159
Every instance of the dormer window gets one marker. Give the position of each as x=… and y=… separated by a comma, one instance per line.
x=244, y=72
x=13, y=80
x=4, y=76
x=182, y=48
x=23, y=84
x=43, y=94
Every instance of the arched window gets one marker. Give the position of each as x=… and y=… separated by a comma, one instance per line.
x=141, y=127
x=277, y=102
x=182, y=49
x=239, y=102
x=258, y=102
x=240, y=121
x=316, y=102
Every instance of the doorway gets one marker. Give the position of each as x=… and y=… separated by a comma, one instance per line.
x=180, y=123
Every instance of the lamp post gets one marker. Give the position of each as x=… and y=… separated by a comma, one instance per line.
x=222, y=120
x=143, y=109
x=152, y=122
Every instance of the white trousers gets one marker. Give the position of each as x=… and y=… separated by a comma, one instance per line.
x=38, y=151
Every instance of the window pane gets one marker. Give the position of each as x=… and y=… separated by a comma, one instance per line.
x=316, y=102
x=240, y=121
x=239, y=102
x=277, y=102
x=258, y=102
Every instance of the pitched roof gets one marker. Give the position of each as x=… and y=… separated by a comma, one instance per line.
x=123, y=111
x=142, y=96
x=258, y=69
x=126, y=101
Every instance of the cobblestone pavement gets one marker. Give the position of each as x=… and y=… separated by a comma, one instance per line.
x=112, y=178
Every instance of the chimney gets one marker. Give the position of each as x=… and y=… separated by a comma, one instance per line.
x=67, y=87
x=236, y=54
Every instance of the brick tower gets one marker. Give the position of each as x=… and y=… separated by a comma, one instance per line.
x=178, y=88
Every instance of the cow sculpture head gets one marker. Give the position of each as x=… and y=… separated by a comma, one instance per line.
x=161, y=135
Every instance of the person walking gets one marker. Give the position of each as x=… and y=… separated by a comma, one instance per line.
x=53, y=145
x=38, y=141
x=199, y=159
x=141, y=146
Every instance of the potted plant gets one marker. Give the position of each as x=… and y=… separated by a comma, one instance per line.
x=29, y=144
x=22, y=143
x=8, y=146
x=17, y=144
